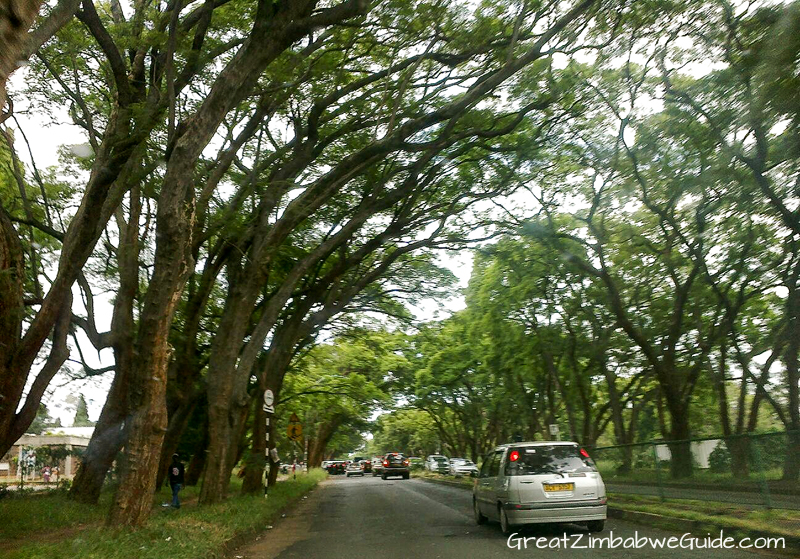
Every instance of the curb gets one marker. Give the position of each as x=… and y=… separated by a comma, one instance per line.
x=699, y=526
x=447, y=482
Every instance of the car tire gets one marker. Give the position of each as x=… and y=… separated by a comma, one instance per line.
x=596, y=525
x=383, y=477
x=505, y=526
x=406, y=476
x=479, y=518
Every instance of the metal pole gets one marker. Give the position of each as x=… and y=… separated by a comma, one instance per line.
x=658, y=472
x=266, y=460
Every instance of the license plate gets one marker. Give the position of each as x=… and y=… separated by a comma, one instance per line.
x=559, y=487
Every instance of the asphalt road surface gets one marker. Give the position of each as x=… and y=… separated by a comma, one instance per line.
x=369, y=517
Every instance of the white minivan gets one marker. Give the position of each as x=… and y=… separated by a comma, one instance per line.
x=537, y=483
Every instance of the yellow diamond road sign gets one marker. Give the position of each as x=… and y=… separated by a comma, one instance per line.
x=294, y=431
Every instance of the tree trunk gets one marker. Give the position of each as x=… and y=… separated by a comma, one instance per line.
x=178, y=422
x=148, y=375
x=107, y=440
x=196, y=465
x=257, y=460
x=16, y=17
x=739, y=450
x=681, y=462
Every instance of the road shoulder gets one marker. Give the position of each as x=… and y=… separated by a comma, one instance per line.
x=292, y=527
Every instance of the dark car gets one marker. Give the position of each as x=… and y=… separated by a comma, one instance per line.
x=366, y=466
x=336, y=467
x=395, y=464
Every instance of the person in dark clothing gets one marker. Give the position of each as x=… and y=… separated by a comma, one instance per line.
x=175, y=477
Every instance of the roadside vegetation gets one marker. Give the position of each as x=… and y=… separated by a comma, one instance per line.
x=192, y=532
x=775, y=521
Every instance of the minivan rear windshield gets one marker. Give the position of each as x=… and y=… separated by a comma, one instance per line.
x=556, y=459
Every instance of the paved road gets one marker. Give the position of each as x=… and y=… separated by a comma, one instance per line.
x=368, y=517
x=779, y=501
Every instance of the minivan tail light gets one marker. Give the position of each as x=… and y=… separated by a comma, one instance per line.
x=385, y=462
x=514, y=456
x=584, y=453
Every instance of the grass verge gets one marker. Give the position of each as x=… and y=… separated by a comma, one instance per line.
x=447, y=479
x=192, y=532
x=713, y=514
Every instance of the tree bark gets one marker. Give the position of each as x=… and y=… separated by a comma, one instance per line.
x=107, y=440
x=194, y=470
x=16, y=17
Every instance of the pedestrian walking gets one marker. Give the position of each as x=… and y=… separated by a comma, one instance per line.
x=46, y=474
x=55, y=473
x=175, y=478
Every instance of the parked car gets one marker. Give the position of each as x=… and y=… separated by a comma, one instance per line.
x=395, y=464
x=377, y=465
x=354, y=469
x=463, y=467
x=336, y=467
x=537, y=483
x=438, y=464
x=366, y=466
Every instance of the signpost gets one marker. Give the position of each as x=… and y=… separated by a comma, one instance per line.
x=269, y=401
x=269, y=409
x=554, y=431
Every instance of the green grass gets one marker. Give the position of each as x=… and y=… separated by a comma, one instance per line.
x=24, y=516
x=782, y=521
x=463, y=480
x=649, y=475
x=192, y=532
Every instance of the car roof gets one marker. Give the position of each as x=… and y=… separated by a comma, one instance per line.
x=537, y=443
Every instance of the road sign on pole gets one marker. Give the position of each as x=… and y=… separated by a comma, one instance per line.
x=269, y=401
x=554, y=431
x=295, y=431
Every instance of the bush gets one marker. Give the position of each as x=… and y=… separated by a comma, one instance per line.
x=719, y=461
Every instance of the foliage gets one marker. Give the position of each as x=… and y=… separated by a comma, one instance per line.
x=82, y=414
x=195, y=532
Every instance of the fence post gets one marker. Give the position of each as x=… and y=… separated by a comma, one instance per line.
x=658, y=472
x=762, y=474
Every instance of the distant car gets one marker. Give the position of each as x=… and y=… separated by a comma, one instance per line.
x=377, y=465
x=354, y=469
x=395, y=464
x=336, y=467
x=538, y=483
x=366, y=466
x=463, y=467
x=416, y=462
x=438, y=464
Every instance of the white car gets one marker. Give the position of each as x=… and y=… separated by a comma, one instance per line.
x=463, y=467
x=437, y=463
x=354, y=469
x=538, y=483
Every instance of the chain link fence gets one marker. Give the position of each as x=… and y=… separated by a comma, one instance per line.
x=745, y=469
